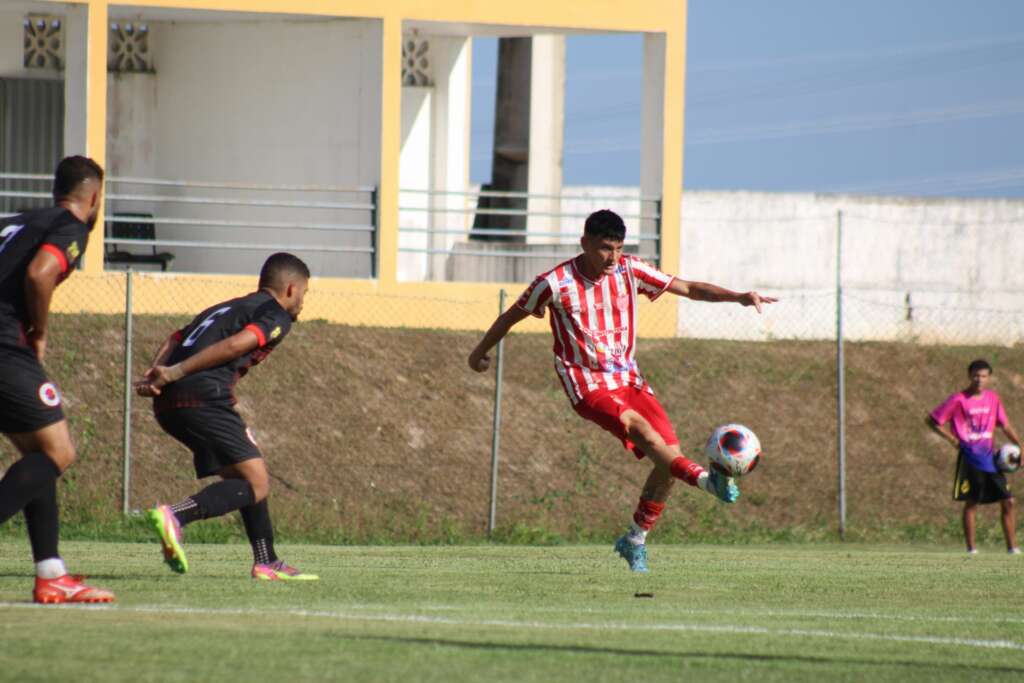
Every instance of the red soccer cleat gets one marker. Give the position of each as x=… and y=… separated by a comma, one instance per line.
x=68, y=589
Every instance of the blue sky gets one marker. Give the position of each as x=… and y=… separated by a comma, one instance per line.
x=908, y=97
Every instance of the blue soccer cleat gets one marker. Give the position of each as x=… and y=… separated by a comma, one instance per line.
x=635, y=555
x=722, y=486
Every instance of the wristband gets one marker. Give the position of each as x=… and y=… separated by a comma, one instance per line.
x=175, y=372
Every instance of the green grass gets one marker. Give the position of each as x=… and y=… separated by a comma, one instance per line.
x=453, y=613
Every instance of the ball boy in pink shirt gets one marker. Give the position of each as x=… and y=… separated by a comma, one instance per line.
x=968, y=419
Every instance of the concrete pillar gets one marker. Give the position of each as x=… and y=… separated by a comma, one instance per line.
x=75, y=42
x=451, y=58
x=414, y=173
x=390, y=150
x=652, y=125
x=547, y=127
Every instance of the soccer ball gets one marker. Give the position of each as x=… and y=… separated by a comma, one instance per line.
x=734, y=449
x=1008, y=458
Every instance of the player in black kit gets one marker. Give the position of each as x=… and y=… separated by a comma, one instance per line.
x=38, y=250
x=192, y=380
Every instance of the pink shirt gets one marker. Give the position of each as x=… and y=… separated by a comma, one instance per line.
x=975, y=419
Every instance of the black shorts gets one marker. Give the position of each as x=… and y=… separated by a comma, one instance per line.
x=216, y=435
x=28, y=400
x=976, y=486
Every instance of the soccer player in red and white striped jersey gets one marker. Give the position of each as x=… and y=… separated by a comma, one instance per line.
x=592, y=301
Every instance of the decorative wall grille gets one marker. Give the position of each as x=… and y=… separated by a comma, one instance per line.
x=129, y=48
x=416, y=66
x=44, y=42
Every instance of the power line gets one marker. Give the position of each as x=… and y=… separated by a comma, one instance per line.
x=858, y=123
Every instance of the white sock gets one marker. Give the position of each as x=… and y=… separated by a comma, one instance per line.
x=702, y=481
x=52, y=568
x=637, y=535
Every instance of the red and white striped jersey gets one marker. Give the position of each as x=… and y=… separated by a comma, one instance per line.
x=593, y=323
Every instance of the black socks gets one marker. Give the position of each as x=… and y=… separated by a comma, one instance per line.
x=32, y=476
x=260, y=531
x=215, y=500
x=42, y=520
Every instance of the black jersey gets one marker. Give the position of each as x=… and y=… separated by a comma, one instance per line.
x=55, y=230
x=258, y=312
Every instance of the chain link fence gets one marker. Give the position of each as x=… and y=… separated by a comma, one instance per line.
x=374, y=431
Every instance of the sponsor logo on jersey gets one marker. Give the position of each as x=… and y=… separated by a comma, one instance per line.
x=276, y=332
x=49, y=395
x=73, y=250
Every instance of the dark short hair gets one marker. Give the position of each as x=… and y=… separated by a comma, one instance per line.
x=980, y=364
x=279, y=268
x=72, y=172
x=605, y=224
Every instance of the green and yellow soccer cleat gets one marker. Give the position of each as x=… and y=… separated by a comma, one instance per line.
x=167, y=529
x=279, y=571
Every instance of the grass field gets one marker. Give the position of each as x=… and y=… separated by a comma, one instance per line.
x=451, y=613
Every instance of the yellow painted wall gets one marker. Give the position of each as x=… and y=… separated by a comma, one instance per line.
x=449, y=306
x=385, y=301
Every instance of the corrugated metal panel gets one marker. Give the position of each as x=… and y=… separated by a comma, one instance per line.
x=31, y=134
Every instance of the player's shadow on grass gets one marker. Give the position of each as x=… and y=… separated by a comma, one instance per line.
x=585, y=649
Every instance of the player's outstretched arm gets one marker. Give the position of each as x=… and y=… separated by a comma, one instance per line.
x=478, y=359
x=705, y=291
x=41, y=279
x=222, y=352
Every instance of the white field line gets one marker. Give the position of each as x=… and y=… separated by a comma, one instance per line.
x=538, y=625
x=776, y=613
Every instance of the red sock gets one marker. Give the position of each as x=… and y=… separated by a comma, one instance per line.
x=647, y=513
x=686, y=469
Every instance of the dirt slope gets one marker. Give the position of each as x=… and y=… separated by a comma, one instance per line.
x=376, y=433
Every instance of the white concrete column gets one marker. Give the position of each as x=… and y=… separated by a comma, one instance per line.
x=652, y=127
x=414, y=171
x=547, y=127
x=75, y=40
x=451, y=61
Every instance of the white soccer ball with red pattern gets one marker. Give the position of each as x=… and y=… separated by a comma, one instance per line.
x=1008, y=458
x=733, y=448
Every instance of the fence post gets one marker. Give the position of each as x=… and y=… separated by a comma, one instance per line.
x=374, y=222
x=127, y=443
x=840, y=378
x=496, y=424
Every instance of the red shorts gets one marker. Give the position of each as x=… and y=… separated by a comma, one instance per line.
x=605, y=406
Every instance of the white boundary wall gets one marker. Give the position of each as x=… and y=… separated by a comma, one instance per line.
x=936, y=270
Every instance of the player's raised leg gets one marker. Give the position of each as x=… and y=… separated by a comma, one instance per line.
x=247, y=484
x=647, y=439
